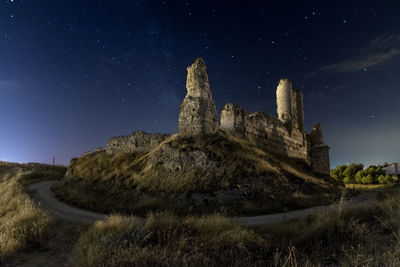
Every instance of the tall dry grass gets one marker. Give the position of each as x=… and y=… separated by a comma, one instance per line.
x=364, y=235
x=163, y=239
x=21, y=221
x=134, y=183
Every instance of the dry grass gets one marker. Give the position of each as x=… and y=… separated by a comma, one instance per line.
x=366, y=235
x=128, y=183
x=356, y=236
x=21, y=221
x=163, y=239
x=369, y=186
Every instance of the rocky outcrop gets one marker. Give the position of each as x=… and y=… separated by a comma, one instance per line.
x=198, y=114
x=172, y=159
x=140, y=142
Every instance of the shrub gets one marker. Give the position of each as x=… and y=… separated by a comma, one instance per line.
x=385, y=179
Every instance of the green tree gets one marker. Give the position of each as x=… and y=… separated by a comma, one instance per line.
x=381, y=179
x=337, y=173
x=359, y=175
x=351, y=171
x=346, y=180
x=389, y=179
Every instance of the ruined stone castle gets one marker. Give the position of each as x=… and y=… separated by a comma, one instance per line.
x=284, y=135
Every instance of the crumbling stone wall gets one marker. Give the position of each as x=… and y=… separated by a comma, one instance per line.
x=140, y=142
x=284, y=135
x=298, y=110
x=319, y=151
x=265, y=130
x=198, y=114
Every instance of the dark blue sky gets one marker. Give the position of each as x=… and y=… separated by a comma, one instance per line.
x=75, y=73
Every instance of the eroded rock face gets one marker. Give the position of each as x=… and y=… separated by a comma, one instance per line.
x=172, y=159
x=135, y=142
x=198, y=114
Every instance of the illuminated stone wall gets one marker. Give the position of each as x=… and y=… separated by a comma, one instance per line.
x=136, y=142
x=284, y=135
x=198, y=114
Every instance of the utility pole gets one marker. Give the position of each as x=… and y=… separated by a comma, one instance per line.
x=54, y=160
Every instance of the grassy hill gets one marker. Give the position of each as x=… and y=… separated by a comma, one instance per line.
x=22, y=223
x=365, y=235
x=194, y=175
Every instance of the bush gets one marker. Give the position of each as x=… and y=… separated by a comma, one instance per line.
x=385, y=179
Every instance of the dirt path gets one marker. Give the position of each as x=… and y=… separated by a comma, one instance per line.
x=43, y=194
x=284, y=216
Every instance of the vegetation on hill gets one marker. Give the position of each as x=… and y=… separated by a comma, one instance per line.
x=357, y=174
x=21, y=221
x=358, y=236
x=365, y=235
x=194, y=175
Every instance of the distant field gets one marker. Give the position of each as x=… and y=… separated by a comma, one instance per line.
x=369, y=186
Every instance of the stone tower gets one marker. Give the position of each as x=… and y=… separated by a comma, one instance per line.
x=319, y=151
x=284, y=100
x=198, y=114
x=289, y=104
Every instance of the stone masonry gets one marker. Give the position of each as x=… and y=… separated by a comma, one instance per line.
x=284, y=135
x=139, y=142
x=267, y=131
x=198, y=114
x=319, y=151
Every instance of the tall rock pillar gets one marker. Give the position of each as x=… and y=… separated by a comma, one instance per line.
x=198, y=114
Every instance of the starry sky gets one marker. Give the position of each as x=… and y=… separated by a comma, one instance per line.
x=75, y=73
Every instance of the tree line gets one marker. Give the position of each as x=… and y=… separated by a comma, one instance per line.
x=358, y=174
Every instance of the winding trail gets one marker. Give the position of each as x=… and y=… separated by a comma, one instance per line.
x=41, y=192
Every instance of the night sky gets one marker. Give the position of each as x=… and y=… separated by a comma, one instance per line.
x=75, y=73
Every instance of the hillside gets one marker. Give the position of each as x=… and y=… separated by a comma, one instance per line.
x=194, y=175
x=23, y=225
x=341, y=236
